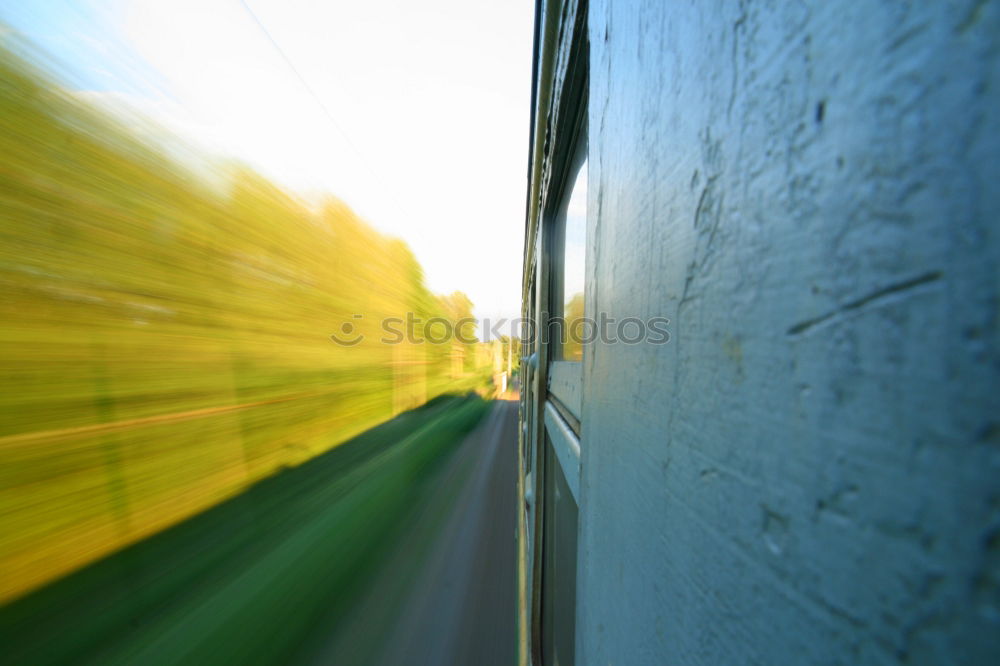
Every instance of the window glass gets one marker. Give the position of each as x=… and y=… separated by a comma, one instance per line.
x=574, y=267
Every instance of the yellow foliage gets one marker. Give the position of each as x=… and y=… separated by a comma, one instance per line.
x=164, y=343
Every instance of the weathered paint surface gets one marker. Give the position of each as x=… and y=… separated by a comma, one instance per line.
x=809, y=472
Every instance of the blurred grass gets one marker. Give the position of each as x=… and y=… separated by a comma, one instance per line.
x=164, y=340
x=258, y=579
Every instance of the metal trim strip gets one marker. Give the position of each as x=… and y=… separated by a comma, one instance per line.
x=566, y=446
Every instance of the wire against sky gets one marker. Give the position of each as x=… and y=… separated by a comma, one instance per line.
x=390, y=194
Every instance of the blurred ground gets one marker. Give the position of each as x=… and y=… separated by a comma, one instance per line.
x=448, y=595
x=463, y=611
x=395, y=547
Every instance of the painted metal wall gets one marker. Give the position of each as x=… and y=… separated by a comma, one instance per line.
x=809, y=472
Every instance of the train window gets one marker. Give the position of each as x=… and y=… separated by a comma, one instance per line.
x=568, y=252
x=573, y=266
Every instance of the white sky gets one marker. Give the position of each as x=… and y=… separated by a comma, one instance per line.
x=428, y=102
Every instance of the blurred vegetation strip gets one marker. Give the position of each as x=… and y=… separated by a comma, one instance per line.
x=259, y=579
x=112, y=426
x=164, y=337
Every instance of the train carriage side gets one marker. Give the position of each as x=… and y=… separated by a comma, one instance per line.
x=801, y=466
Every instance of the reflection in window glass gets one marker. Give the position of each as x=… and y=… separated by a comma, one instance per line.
x=574, y=253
